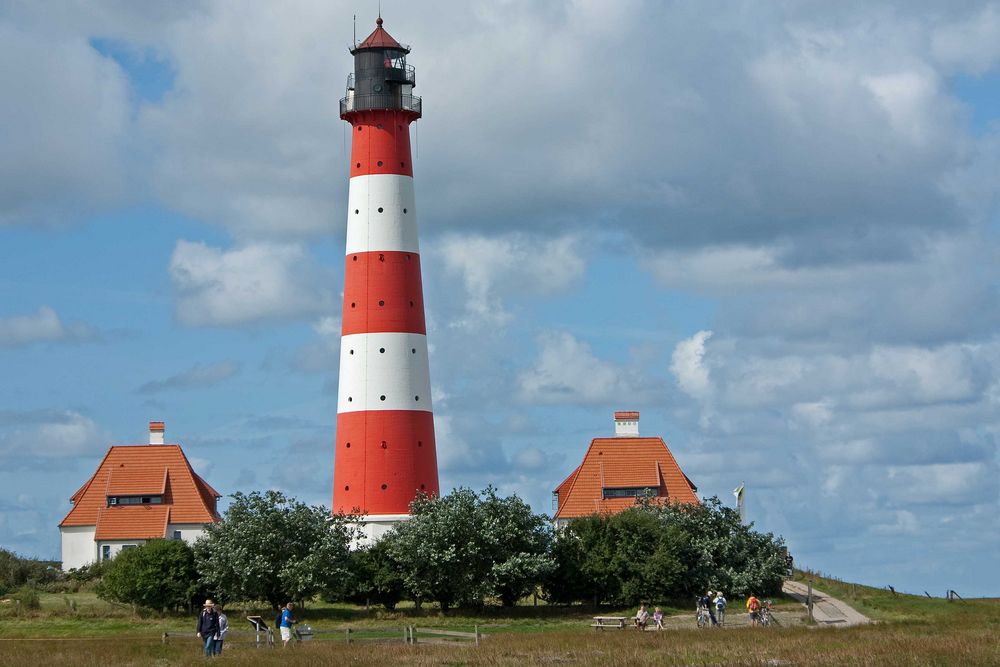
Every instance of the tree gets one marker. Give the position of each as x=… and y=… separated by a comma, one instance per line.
x=722, y=552
x=159, y=575
x=621, y=559
x=461, y=549
x=274, y=548
x=376, y=577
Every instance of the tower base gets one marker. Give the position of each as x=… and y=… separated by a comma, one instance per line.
x=374, y=526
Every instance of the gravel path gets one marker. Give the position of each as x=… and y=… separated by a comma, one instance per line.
x=826, y=610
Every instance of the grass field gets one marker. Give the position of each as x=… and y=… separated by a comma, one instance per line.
x=912, y=631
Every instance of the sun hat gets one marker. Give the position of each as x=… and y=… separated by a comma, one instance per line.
x=209, y=603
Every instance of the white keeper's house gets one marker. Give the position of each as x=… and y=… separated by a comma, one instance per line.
x=138, y=493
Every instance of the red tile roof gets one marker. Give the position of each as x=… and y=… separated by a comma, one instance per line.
x=626, y=414
x=379, y=39
x=622, y=462
x=132, y=522
x=142, y=470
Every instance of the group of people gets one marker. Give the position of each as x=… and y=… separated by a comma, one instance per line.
x=212, y=628
x=714, y=605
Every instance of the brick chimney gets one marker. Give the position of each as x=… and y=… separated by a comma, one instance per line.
x=626, y=424
x=156, y=433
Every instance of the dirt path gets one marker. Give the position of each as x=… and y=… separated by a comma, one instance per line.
x=826, y=610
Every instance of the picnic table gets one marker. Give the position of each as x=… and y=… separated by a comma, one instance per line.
x=602, y=622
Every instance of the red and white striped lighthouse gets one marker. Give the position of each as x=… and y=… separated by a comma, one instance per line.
x=385, y=450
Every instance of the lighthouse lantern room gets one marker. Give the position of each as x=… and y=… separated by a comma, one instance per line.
x=384, y=447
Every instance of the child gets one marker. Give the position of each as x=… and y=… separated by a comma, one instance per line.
x=658, y=618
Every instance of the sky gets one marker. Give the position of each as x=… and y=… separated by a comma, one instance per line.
x=772, y=228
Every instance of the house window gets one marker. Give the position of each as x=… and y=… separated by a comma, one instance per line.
x=629, y=492
x=177, y=534
x=126, y=547
x=135, y=500
x=105, y=552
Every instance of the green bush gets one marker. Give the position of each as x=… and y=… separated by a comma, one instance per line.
x=158, y=575
x=16, y=571
x=28, y=597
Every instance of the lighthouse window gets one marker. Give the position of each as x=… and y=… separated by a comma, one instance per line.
x=404, y=211
x=416, y=398
x=384, y=445
x=385, y=486
x=347, y=488
x=382, y=397
x=411, y=304
x=379, y=163
x=402, y=166
x=422, y=486
x=348, y=445
x=379, y=126
x=413, y=350
x=380, y=208
x=353, y=304
x=360, y=128
x=356, y=211
x=352, y=351
x=358, y=165
x=420, y=443
x=381, y=350
x=349, y=399
x=355, y=258
x=381, y=303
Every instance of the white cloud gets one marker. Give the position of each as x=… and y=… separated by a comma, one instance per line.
x=66, y=120
x=568, y=371
x=252, y=283
x=493, y=269
x=971, y=44
x=200, y=375
x=43, y=326
x=47, y=439
x=687, y=365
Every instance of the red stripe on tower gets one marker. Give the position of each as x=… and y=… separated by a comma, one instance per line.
x=385, y=451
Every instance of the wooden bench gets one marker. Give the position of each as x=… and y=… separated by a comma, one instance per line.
x=602, y=622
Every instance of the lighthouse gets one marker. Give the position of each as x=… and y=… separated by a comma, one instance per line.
x=384, y=447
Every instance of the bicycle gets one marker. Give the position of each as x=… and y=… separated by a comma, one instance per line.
x=702, y=616
x=764, y=614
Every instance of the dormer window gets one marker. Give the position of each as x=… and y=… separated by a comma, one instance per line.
x=629, y=492
x=135, y=500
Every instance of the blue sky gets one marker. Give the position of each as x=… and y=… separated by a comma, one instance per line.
x=771, y=228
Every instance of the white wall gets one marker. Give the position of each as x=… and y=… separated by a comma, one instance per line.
x=374, y=527
x=116, y=545
x=78, y=548
x=189, y=531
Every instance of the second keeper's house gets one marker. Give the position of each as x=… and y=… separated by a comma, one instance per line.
x=137, y=493
x=617, y=471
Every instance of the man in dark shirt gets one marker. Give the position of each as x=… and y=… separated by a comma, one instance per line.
x=706, y=602
x=208, y=627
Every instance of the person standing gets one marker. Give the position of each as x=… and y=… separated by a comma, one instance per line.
x=220, y=636
x=287, y=620
x=208, y=627
x=720, y=607
x=753, y=608
x=706, y=603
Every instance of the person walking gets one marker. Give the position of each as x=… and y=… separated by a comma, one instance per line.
x=720, y=607
x=287, y=621
x=220, y=636
x=208, y=627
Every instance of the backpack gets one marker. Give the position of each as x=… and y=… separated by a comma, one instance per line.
x=277, y=621
x=754, y=604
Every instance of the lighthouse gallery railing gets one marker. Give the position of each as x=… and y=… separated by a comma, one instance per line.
x=380, y=101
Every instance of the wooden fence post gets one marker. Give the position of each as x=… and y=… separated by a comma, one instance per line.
x=348, y=635
x=477, y=635
x=809, y=601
